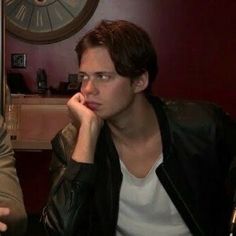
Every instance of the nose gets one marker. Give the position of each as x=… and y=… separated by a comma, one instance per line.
x=89, y=87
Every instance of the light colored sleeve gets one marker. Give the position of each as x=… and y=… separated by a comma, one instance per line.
x=10, y=191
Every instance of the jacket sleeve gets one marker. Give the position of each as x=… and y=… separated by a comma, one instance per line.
x=68, y=209
x=10, y=191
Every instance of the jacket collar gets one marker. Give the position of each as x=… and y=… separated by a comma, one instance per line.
x=160, y=110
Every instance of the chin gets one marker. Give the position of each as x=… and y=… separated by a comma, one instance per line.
x=103, y=115
x=100, y=114
x=107, y=115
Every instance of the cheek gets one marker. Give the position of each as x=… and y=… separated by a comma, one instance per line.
x=121, y=89
x=119, y=96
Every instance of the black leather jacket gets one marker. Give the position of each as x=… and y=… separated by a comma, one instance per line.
x=199, y=143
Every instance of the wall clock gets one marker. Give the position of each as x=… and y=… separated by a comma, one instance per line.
x=47, y=21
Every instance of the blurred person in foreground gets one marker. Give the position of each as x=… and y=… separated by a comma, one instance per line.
x=131, y=163
x=13, y=218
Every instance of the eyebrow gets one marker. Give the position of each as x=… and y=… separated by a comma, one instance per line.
x=97, y=72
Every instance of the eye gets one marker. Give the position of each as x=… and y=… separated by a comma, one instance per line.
x=83, y=77
x=103, y=77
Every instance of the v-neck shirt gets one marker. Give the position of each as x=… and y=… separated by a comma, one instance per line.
x=145, y=208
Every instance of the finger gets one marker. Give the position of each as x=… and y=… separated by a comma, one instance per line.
x=80, y=98
x=3, y=227
x=77, y=98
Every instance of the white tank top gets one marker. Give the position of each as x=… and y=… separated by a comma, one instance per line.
x=145, y=209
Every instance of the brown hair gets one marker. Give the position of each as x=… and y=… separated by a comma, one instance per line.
x=129, y=46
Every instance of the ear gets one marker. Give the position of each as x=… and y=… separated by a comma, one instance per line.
x=140, y=83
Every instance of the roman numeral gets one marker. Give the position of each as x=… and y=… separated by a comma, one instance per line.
x=9, y=2
x=20, y=15
x=39, y=19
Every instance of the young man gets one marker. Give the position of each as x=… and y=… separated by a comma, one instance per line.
x=13, y=219
x=133, y=164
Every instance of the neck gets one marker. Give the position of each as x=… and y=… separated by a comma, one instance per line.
x=137, y=124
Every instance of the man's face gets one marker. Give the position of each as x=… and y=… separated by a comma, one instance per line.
x=106, y=93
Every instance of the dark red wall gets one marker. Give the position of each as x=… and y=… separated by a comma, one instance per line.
x=195, y=41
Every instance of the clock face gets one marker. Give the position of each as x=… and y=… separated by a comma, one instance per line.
x=47, y=21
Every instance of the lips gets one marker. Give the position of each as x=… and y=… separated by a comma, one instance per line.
x=92, y=105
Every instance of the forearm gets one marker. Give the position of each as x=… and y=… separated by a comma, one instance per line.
x=85, y=145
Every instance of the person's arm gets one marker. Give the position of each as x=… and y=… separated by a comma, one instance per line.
x=11, y=196
x=69, y=205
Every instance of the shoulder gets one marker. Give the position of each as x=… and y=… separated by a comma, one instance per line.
x=66, y=135
x=64, y=141
x=194, y=112
x=193, y=116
